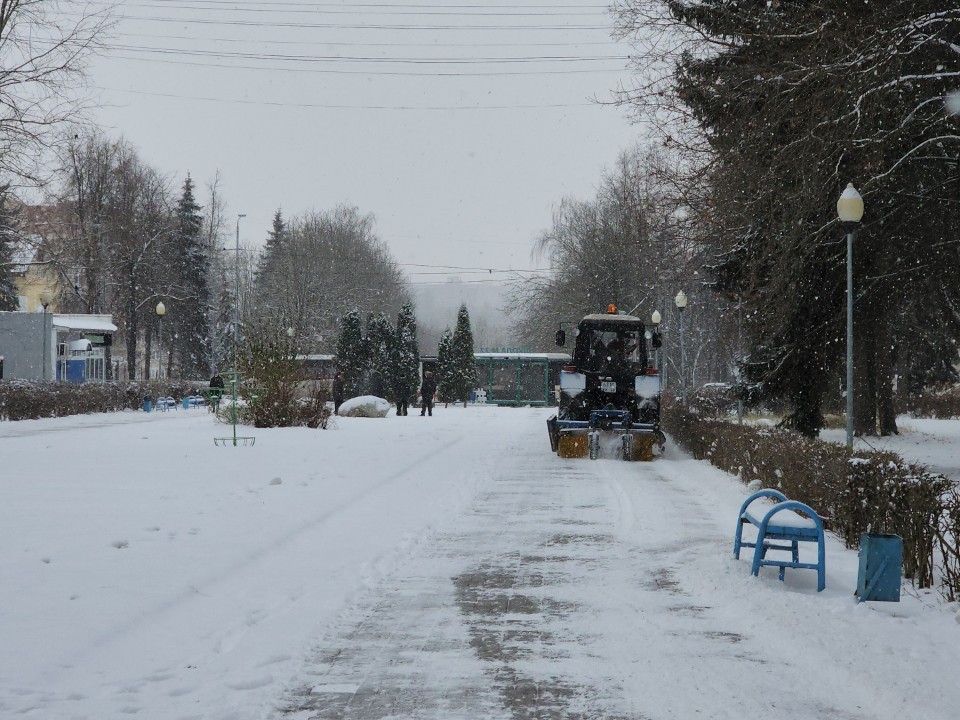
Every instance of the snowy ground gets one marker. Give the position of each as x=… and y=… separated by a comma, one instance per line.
x=934, y=443
x=445, y=567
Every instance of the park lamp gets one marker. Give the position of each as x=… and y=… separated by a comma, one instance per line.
x=850, y=211
x=655, y=318
x=850, y=206
x=161, y=309
x=681, y=301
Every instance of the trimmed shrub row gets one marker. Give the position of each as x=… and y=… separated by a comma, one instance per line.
x=867, y=492
x=942, y=404
x=30, y=400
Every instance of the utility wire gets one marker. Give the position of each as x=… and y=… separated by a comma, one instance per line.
x=492, y=73
x=309, y=3
x=313, y=43
x=357, y=26
x=429, y=10
x=222, y=55
x=326, y=106
x=484, y=269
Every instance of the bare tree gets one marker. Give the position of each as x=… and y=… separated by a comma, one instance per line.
x=44, y=49
x=327, y=264
x=220, y=310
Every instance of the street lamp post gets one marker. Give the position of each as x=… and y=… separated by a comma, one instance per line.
x=655, y=320
x=236, y=290
x=161, y=311
x=45, y=302
x=850, y=211
x=681, y=302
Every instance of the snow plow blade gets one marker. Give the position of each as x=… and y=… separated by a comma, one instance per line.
x=608, y=434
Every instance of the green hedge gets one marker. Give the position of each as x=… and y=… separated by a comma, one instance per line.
x=867, y=492
x=30, y=400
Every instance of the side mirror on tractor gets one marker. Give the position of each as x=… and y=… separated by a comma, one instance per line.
x=561, y=338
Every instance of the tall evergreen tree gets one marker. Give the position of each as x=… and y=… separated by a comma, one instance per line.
x=445, y=365
x=380, y=338
x=273, y=248
x=461, y=375
x=351, y=360
x=8, y=239
x=191, y=311
x=278, y=231
x=405, y=356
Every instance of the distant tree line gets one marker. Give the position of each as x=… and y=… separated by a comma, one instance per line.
x=118, y=239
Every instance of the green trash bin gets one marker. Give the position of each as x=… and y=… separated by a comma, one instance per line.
x=881, y=565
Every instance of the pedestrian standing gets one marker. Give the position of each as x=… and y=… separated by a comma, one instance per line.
x=337, y=392
x=403, y=397
x=216, y=390
x=427, y=388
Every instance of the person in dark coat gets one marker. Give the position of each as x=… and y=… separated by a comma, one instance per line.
x=403, y=397
x=337, y=392
x=216, y=390
x=427, y=388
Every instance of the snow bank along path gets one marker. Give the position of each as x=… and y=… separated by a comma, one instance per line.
x=445, y=567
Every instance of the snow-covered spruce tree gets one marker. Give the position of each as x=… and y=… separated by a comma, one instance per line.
x=380, y=338
x=405, y=355
x=352, y=360
x=190, y=311
x=278, y=231
x=444, y=372
x=272, y=249
x=8, y=238
x=462, y=373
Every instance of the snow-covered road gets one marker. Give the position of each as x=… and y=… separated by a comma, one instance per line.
x=445, y=567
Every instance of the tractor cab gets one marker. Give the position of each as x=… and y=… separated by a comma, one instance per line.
x=609, y=347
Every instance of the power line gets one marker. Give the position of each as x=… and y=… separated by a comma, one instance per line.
x=464, y=282
x=358, y=26
x=335, y=43
x=310, y=3
x=369, y=59
x=326, y=106
x=484, y=269
x=382, y=9
x=327, y=71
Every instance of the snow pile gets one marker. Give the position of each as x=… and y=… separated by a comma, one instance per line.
x=369, y=406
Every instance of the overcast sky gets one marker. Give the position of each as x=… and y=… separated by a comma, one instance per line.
x=458, y=125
